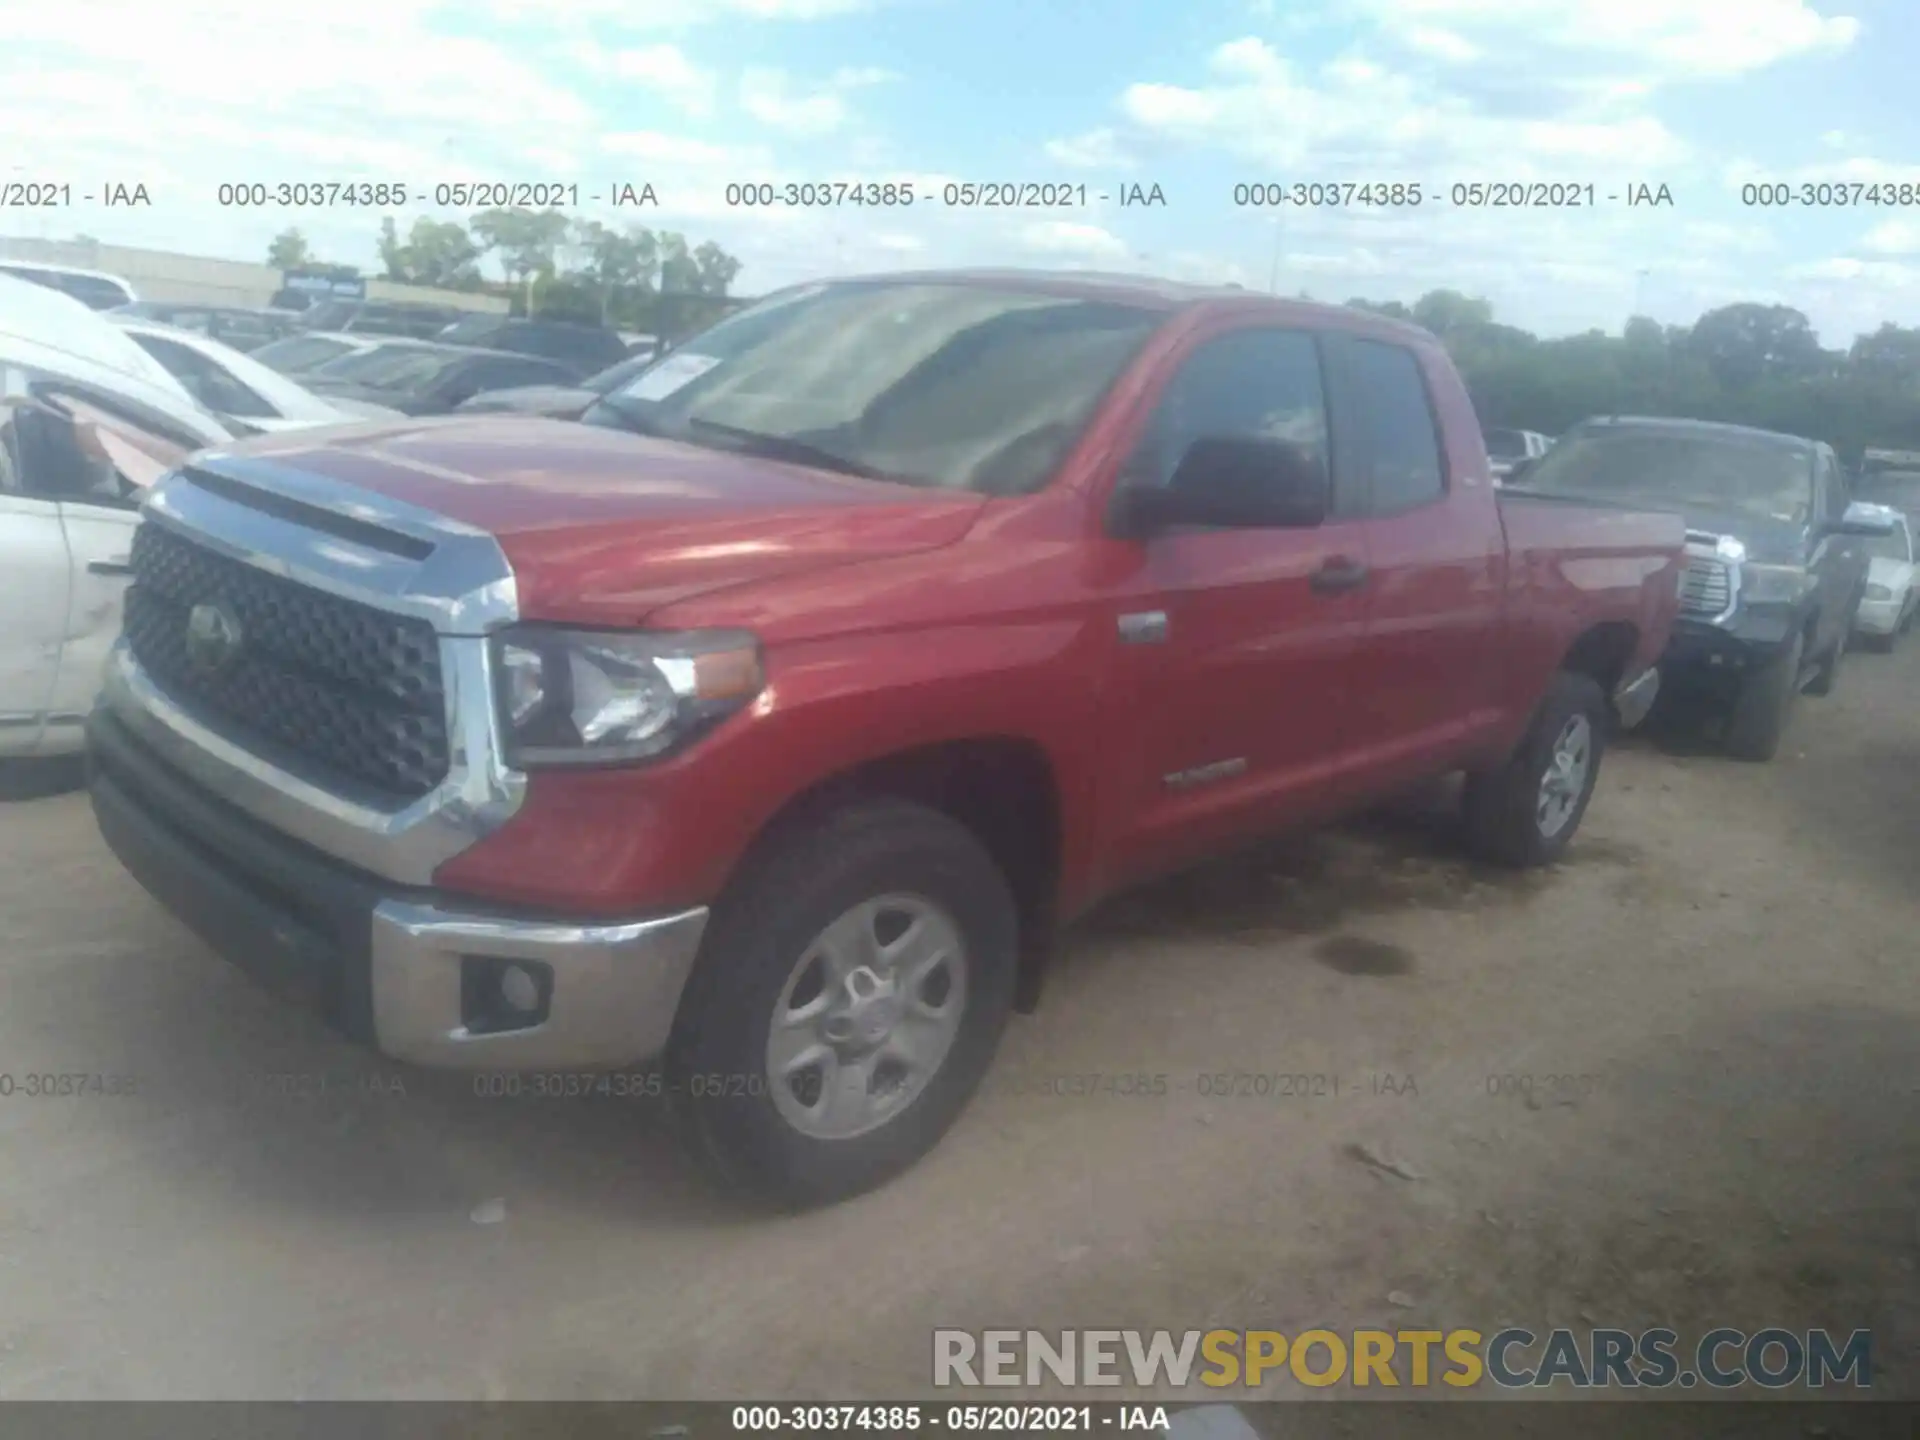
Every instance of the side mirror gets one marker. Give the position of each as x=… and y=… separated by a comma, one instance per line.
x=1235, y=482
x=1867, y=521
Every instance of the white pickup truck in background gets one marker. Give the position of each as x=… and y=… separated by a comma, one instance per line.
x=88, y=420
x=1507, y=450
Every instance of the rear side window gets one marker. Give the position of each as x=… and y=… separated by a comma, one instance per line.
x=1396, y=418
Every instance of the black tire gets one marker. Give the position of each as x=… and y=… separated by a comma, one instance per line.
x=1501, y=806
x=799, y=883
x=1882, y=644
x=1906, y=620
x=1828, y=670
x=1760, y=711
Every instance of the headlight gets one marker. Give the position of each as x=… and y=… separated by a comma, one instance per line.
x=1879, y=592
x=1774, y=584
x=590, y=697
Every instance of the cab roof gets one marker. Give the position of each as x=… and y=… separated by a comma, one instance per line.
x=1152, y=292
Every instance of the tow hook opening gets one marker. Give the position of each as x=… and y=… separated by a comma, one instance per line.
x=498, y=995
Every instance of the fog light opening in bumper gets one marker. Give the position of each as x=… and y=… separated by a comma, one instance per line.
x=498, y=994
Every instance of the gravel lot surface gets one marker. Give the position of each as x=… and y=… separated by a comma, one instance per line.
x=1672, y=1081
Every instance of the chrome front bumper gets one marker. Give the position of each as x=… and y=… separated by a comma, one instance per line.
x=615, y=987
x=404, y=970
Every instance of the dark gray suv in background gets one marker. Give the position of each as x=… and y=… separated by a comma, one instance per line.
x=1774, y=573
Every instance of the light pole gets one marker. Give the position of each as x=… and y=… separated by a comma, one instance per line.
x=1639, y=292
x=1273, y=272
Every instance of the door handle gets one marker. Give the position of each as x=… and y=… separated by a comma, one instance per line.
x=1338, y=574
x=109, y=567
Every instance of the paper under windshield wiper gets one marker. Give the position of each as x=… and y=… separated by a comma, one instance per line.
x=780, y=447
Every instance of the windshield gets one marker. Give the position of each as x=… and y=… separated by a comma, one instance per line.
x=391, y=367
x=1506, y=445
x=614, y=376
x=948, y=385
x=1764, y=479
x=297, y=354
x=1897, y=546
x=330, y=315
x=474, y=330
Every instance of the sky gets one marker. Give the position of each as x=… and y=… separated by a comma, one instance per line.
x=1704, y=97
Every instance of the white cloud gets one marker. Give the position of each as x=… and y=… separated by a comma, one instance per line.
x=1686, y=38
x=1440, y=42
x=674, y=14
x=1069, y=238
x=775, y=98
x=1359, y=118
x=1893, y=237
x=1095, y=150
x=659, y=70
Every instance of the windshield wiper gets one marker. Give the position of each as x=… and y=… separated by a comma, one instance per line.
x=781, y=447
x=610, y=412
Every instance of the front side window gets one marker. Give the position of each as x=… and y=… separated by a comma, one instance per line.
x=67, y=444
x=1249, y=384
x=1402, y=438
x=948, y=386
x=1897, y=546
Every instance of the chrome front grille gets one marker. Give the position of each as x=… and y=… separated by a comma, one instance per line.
x=1708, y=587
x=351, y=690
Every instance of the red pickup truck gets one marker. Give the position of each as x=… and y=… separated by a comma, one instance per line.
x=770, y=723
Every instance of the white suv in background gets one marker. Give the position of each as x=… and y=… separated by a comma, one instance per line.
x=88, y=420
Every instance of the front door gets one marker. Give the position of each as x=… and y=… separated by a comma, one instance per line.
x=1237, y=645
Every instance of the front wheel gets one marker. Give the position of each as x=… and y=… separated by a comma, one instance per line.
x=847, y=1002
x=1526, y=812
x=1763, y=705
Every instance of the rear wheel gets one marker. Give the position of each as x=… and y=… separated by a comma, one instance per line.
x=1763, y=705
x=848, y=999
x=1526, y=812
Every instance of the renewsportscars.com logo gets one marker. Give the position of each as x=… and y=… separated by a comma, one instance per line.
x=1511, y=1358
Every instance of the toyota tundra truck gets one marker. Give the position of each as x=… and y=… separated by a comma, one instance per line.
x=758, y=734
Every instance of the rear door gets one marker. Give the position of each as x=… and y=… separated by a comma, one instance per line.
x=1437, y=556
x=104, y=453
x=1237, y=645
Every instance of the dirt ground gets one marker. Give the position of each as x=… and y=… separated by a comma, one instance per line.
x=1726, y=967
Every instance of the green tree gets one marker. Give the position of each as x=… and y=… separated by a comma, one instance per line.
x=439, y=253
x=1745, y=343
x=289, y=251
x=1444, y=311
x=526, y=241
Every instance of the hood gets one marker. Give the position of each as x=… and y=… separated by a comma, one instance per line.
x=603, y=527
x=1769, y=541
x=564, y=402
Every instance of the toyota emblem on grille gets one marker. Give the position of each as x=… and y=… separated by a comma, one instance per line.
x=213, y=637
